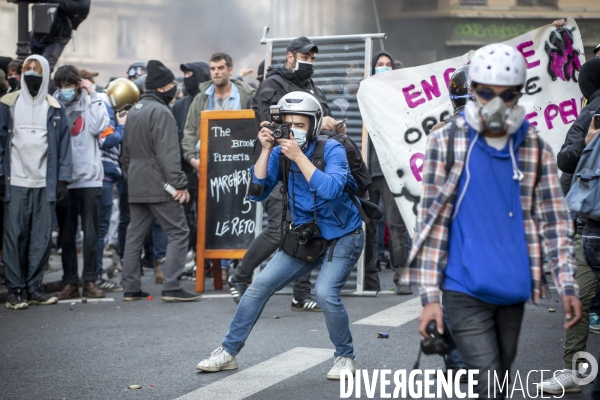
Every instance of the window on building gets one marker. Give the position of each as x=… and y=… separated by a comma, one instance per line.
x=541, y=3
x=420, y=4
x=473, y=2
x=127, y=27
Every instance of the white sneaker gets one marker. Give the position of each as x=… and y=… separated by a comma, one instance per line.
x=562, y=382
x=219, y=360
x=341, y=364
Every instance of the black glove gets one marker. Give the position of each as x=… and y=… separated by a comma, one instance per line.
x=2, y=185
x=62, y=193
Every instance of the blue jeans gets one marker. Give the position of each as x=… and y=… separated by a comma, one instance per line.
x=124, y=214
x=105, y=212
x=284, y=269
x=159, y=242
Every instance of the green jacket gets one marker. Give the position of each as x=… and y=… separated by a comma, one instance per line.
x=191, y=132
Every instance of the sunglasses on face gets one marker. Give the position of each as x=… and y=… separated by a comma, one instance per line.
x=507, y=96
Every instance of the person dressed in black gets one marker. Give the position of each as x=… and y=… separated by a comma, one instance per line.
x=294, y=75
x=383, y=62
x=195, y=73
x=70, y=14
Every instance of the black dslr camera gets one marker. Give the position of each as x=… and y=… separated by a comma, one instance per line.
x=307, y=231
x=280, y=129
x=437, y=343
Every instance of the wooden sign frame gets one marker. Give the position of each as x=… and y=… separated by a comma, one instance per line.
x=201, y=253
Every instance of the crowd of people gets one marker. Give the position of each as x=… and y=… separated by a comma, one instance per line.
x=69, y=148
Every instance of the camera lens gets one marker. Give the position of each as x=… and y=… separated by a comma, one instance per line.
x=277, y=133
x=302, y=238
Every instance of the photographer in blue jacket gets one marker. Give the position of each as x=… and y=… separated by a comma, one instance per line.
x=326, y=229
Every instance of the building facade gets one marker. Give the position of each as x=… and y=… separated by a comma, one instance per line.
x=424, y=31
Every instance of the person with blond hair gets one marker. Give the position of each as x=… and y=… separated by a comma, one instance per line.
x=35, y=147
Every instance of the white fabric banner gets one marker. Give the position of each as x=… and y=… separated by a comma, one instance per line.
x=400, y=107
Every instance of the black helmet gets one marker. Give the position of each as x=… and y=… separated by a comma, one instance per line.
x=136, y=70
x=141, y=83
x=459, y=88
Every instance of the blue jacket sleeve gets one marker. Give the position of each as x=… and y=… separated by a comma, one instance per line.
x=329, y=184
x=65, y=166
x=113, y=135
x=273, y=176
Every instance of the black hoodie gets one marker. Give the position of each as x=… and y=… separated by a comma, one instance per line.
x=374, y=167
x=279, y=82
x=570, y=152
x=180, y=108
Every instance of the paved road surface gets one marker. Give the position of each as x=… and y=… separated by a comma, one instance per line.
x=95, y=350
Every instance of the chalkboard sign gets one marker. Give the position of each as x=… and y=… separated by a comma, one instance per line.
x=226, y=219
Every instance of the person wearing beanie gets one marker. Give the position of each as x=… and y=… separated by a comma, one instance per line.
x=151, y=160
x=587, y=237
x=88, y=119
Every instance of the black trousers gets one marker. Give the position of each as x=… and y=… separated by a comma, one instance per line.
x=267, y=243
x=84, y=202
x=398, y=234
x=486, y=336
x=27, y=237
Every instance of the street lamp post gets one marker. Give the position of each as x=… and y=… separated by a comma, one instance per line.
x=23, y=50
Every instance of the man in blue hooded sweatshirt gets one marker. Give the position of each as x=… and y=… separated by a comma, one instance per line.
x=481, y=227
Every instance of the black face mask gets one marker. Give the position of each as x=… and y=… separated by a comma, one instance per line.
x=303, y=70
x=168, y=96
x=13, y=83
x=33, y=84
x=191, y=85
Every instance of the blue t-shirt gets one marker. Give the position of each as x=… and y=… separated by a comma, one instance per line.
x=487, y=252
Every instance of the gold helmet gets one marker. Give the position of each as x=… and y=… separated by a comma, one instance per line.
x=123, y=94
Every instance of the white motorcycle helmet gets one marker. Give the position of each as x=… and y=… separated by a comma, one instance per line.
x=499, y=65
x=303, y=103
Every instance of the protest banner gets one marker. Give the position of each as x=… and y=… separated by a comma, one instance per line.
x=400, y=107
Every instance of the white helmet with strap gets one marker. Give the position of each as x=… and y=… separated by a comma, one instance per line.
x=302, y=103
x=498, y=64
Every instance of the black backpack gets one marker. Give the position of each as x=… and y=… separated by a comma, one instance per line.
x=358, y=168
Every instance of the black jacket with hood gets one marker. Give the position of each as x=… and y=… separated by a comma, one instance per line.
x=181, y=107
x=570, y=152
x=374, y=167
x=272, y=89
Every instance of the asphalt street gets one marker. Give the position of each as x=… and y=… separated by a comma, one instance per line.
x=95, y=350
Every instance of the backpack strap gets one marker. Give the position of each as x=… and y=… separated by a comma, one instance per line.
x=358, y=206
x=450, y=151
x=318, y=158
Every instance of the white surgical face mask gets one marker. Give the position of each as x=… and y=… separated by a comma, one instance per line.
x=300, y=136
x=379, y=70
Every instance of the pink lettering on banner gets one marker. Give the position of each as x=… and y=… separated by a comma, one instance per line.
x=447, y=74
x=529, y=116
x=568, y=108
x=417, y=169
x=431, y=89
x=550, y=113
x=411, y=96
x=528, y=53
